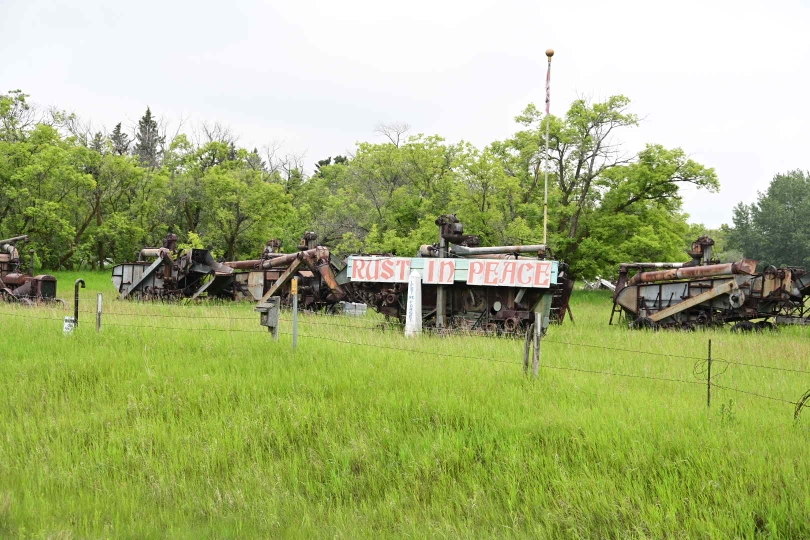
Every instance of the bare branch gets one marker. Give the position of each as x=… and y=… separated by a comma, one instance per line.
x=393, y=131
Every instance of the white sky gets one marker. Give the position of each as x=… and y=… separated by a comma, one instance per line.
x=725, y=80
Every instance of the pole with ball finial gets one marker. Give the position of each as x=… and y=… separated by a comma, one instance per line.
x=549, y=54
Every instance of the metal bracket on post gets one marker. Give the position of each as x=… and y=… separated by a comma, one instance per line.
x=268, y=311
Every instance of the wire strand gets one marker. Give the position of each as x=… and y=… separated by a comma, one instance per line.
x=752, y=393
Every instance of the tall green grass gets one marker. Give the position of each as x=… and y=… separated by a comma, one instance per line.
x=189, y=421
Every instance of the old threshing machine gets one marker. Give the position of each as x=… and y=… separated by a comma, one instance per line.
x=166, y=274
x=703, y=292
x=272, y=274
x=464, y=286
x=16, y=286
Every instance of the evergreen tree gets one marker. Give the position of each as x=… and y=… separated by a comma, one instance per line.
x=148, y=142
x=97, y=143
x=120, y=140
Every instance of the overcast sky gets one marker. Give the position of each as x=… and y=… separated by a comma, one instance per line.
x=725, y=80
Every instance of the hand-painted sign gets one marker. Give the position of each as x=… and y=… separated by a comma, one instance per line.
x=490, y=272
x=534, y=274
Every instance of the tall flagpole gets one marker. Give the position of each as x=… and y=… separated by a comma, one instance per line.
x=549, y=54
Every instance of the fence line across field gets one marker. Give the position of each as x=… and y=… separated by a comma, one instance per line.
x=377, y=328
x=424, y=353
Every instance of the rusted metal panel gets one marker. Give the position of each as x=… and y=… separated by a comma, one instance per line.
x=255, y=283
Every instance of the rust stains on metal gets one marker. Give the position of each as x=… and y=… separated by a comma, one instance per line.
x=16, y=286
x=744, y=266
x=704, y=292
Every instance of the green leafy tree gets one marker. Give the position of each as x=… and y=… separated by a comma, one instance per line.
x=593, y=183
x=240, y=210
x=774, y=229
x=17, y=116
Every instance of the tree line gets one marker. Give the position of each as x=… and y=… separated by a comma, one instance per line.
x=95, y=198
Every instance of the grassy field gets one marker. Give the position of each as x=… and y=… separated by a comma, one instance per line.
x=202, y=426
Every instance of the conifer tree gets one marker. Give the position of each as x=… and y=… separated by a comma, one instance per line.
x=120, y=140
x=148, y=142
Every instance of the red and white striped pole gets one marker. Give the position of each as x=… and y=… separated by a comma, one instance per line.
x=549, y=54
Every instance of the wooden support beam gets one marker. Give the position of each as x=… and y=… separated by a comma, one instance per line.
x=724, y=288
x=282, y=280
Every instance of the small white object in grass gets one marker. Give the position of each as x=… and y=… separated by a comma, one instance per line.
x=70, y=324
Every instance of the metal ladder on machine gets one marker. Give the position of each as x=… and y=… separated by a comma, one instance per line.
x=616, y=309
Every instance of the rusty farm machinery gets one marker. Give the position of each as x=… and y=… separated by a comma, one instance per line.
x=271, y=275
x=704, y=292
x=166, y=273
x=495, y=289
x=16, y=286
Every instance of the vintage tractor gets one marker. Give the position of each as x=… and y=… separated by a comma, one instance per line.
x=16, y=286
x=494, y=289
x=704, y=292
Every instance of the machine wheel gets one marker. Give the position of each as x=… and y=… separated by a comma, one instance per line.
x=744, y=326
x=762, y=326
x=644, y=323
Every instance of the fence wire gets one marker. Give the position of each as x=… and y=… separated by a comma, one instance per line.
x=699, y=369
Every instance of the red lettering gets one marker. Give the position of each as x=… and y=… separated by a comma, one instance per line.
x=447, y=272
x=430, y=270
x=491, y=274
x=508, y=277
x=387, y=270
x=373, y=271
x=524, y=274
x=357, y=269
x=404, y=265
x=475, y=273
x=542, y=274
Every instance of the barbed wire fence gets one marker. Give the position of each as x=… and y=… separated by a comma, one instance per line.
x=702, y=374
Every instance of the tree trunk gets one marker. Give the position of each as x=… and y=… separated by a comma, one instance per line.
x=99, y=220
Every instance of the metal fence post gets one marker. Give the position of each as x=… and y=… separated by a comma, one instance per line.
x=76, y=300
x=294, y=291
x=98, y=313
x=709, y=378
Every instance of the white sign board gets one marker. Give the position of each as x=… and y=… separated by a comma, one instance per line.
x=489, y=272
x=534, y=274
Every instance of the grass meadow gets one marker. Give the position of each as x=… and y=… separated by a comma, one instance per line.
x=189, y=421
